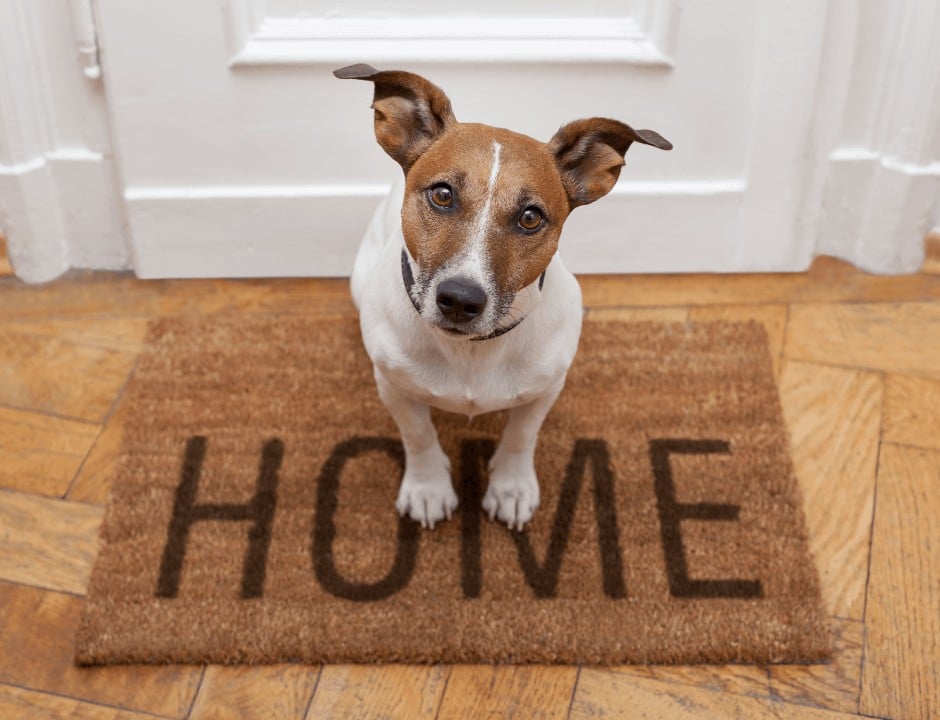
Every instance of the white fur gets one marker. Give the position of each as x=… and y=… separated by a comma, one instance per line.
x=418, y=366
x=477, y=242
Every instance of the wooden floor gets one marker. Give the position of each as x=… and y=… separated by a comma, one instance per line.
x=858, y=363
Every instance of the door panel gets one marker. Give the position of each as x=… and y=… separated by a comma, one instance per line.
x=241, y=155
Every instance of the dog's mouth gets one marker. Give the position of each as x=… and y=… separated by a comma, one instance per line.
x=503, y=313
x=468, y=331
x=455, y=331
x=477, y=329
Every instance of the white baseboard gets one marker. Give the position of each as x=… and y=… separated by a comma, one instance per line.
x=315, y=230
x=248, y=232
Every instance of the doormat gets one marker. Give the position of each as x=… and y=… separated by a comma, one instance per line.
x=252, y=519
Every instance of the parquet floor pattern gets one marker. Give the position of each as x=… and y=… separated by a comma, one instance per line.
x=858, y=364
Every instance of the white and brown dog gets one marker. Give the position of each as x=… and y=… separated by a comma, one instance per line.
x=464, y=302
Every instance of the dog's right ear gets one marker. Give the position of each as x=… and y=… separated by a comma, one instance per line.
x=410, y=112
x=590, y=152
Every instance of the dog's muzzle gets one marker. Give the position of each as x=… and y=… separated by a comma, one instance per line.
x=460, y=300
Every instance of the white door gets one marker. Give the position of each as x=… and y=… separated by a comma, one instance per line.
x=241, y=155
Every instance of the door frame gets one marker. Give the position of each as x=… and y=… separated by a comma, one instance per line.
x=60, y=198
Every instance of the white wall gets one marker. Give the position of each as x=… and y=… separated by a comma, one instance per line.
x=870, y=161
x=60, y=201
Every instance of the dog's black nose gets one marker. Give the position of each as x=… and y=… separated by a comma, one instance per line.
x=460, y=299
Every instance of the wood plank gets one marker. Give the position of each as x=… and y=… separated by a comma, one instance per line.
x=604, y=693
x=94, y=480
x=828, y=280
x=833, y=415
x=752, y=680
x=380, y=691
x=310, y=296
x=20, y=704
x=36, y=651
x=507, y=691
x=902, y=618
x=833, y=686
x=120, y=295
x=912, y=411
x=772, y=317
x=59, y=377
x=896, y=338
x=125, y=334
x=80, y=293
x=47, y=543
x=41, y=454
x=268, y=692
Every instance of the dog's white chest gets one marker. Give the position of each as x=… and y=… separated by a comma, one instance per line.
x=469, y=385
x=476, y=395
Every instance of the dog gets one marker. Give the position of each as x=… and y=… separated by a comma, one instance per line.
x=463, y=300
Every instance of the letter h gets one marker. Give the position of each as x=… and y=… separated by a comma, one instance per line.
x=186, y=512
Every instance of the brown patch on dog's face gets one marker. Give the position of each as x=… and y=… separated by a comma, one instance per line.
x=511, y=217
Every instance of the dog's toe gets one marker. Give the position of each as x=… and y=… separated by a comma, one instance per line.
x=426, y=503
x=490, y=505
x=512, y=501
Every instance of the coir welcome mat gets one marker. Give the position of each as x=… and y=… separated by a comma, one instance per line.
x=253, y=516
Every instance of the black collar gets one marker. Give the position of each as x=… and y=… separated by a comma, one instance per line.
x=409, y=279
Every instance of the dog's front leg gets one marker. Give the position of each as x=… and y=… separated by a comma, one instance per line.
x=513, y=492
x=426, y=493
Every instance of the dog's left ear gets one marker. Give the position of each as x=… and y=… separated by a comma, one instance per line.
x=410, y=112
x=589, y=154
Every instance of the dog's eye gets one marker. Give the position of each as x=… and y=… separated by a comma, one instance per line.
x=441, y=196
x=531, y=219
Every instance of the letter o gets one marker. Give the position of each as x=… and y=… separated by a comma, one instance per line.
x=324, y=527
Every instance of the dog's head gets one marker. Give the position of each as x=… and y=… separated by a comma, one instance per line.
x=484, y=207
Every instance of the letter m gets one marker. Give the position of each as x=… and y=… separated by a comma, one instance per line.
x=543, y=577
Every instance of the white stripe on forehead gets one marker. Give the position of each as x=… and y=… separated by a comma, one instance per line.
x=475, y=258
x=494, y=171
x=483, y=219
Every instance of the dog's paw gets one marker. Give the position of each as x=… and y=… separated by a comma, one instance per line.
x=512, y=495
x=426, y=502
